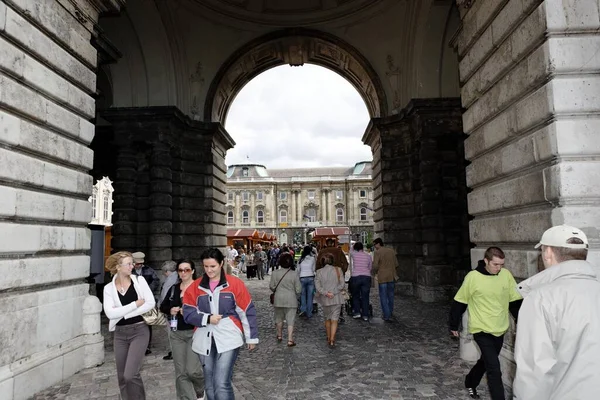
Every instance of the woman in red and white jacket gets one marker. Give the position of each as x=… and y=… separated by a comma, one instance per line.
x=221, y=308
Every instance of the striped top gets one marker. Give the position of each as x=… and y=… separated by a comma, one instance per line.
x=361, y=263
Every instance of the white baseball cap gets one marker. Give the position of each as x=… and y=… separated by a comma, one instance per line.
x=557, y=236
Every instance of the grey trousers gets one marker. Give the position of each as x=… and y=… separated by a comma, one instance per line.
x=189, y=379
x=130, y=342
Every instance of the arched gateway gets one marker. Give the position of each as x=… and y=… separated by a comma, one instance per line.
x=294, y=47
x=529, y=108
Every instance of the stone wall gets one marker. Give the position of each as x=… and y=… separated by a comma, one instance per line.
x=169, y=182
x=530, y=84
x=49, y=325
x=420, y=194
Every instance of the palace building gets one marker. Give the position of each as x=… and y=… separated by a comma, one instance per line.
x=292, y=203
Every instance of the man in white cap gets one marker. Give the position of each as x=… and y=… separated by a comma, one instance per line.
x=557, y=349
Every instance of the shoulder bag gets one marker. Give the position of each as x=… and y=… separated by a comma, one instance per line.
x=272, y=297
x=154, y=316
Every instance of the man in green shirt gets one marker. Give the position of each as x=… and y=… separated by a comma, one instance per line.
x=490, y=292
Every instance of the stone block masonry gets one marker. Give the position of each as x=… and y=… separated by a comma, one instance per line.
x=530, y=81
x=49, y=325
x=169, y=183
x=420, y=195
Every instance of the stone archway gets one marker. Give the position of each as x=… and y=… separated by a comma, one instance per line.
x=295, y=47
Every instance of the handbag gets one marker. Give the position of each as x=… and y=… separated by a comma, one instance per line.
x=154, y=317
x=272, y=297
x=344, y=292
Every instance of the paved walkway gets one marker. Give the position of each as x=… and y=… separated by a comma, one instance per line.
x=412, y=358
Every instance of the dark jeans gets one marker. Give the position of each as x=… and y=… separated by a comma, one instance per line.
x=360, y=289
x=489, y=363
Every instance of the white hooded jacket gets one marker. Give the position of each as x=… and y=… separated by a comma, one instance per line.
x=557, y=349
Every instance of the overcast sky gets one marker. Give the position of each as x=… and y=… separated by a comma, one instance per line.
x=297, y=117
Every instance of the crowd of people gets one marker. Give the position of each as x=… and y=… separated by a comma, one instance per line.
x=557, y=350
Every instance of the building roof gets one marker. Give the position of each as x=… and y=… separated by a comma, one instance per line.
x=336, y=231
x=259, y=173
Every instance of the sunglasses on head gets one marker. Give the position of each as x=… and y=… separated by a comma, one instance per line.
x=185, y=270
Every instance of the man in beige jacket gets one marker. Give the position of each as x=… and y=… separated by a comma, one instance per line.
x=385, y=263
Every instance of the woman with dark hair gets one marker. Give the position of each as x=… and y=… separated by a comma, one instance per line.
x=189, y=381
x=329, y=282
x=221, y=309
x=286, y=287
x=306, y=272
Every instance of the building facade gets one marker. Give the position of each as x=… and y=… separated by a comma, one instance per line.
x=291, y=203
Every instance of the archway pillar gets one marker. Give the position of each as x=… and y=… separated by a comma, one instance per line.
x=420, y=196
x=176, y=169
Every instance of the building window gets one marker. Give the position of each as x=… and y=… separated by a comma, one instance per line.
x=260, y=216
x=311, y=194
x=94, y=199
x=339, y=195
x=282, y=195
x=364, y=236
x=282, y=216
x=230, y=217
x=259, y=195
x=362, y=194
x=244, y=171
x=339, y=215
x=106, y=210
x=245, y=218
x=311, y=215
x=245, y=196
x=363, y=213
x=230, y=196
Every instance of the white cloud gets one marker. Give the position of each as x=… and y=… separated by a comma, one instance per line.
x=295, y=117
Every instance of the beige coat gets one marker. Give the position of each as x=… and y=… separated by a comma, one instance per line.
x=328, y=280
x=288, y=290
x=385, y=263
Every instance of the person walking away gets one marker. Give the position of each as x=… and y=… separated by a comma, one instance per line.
x=489, y=292
x=329, y=281
x=557, y=349
x=286, y=286
x=189, y=380
x=385, y=264
x=126, y=298
x=339, y=260
x=221, y=309
x=306, y=273
x=360, y=281
x=169, y=270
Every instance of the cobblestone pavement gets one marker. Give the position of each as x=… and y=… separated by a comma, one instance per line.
x=411, y=358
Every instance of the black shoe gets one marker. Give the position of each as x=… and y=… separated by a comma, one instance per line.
x=148, y=351
x=473, y=393
x=168, y=356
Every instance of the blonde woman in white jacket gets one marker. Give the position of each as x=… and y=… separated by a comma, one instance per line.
x=126, y=298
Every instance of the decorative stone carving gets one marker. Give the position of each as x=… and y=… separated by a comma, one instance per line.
x=197, y=83
x=465, y=3
x=393, y=74
x=294, y=47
